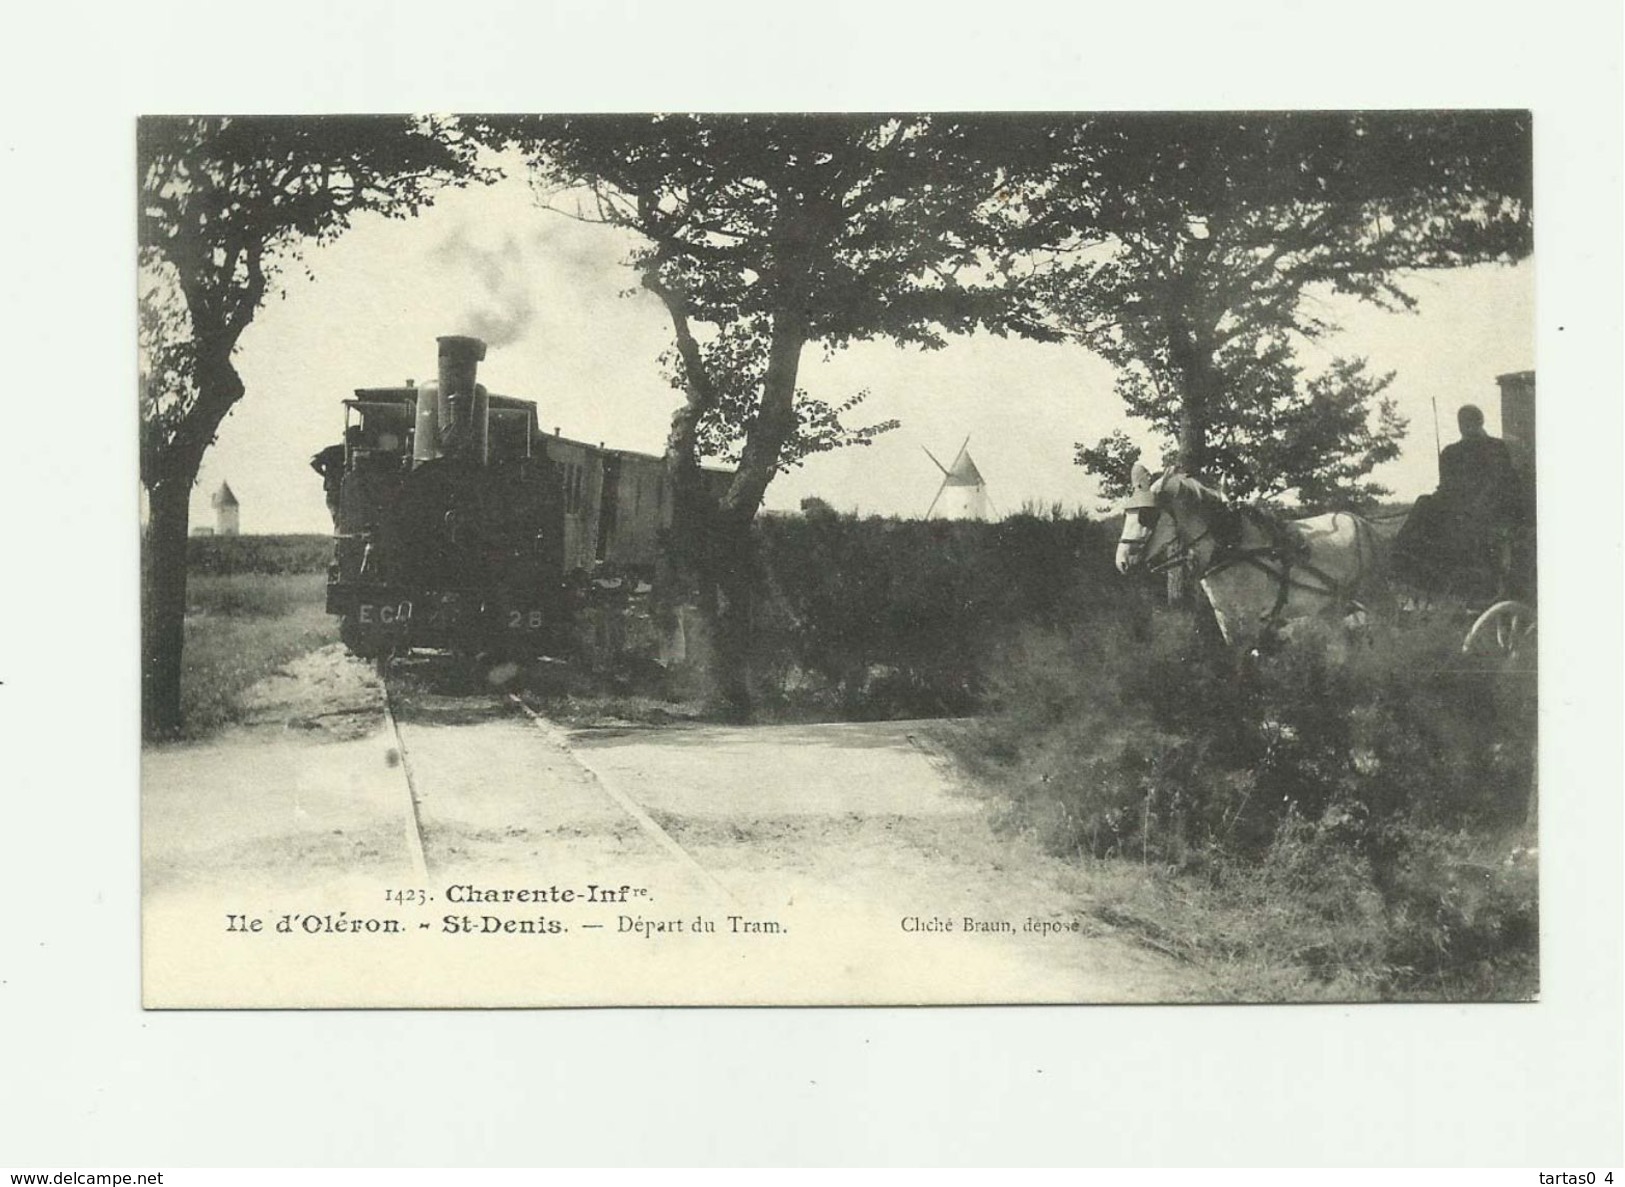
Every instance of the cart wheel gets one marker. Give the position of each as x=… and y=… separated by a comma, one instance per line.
x=1506, y=628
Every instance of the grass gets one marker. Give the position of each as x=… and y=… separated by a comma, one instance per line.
x=1272, y=933
x=253, y=595
x=253, y=604
x=239, y=629
x=1332, y=822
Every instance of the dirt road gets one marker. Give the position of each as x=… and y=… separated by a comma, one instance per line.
x=827, y=864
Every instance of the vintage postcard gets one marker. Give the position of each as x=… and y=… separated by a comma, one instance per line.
x=903, y=559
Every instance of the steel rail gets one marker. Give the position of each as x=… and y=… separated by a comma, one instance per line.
x=646, y=822
x=413, y=818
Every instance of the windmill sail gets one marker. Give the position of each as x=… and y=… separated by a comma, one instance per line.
x=963, y=493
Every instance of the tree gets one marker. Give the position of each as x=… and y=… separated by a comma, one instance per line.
x=1275, y=432
x=760, y=236
x=225, y=204
x=1187, y=249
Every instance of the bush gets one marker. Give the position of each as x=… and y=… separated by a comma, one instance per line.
x=1151, y=738
x=1369, y=781
x=881, y=618
x=1463, y=919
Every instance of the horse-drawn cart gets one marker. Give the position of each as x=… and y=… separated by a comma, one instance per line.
x=1471, y=557
x=1260, y=571
x=1467, y=550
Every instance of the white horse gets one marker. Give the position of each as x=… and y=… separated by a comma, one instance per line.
x=1258, y=572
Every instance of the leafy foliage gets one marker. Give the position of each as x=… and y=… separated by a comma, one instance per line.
x=1185, y=249
x=226, y=204
x=1274, y=434
x=736, y=371
x=765, y=233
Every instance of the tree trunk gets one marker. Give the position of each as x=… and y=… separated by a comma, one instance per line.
x=710, y=550
x=1199, y=383
x=170, y=471
x=734, y=585
x=163, y=618
x=733, y=552
x=775, y=419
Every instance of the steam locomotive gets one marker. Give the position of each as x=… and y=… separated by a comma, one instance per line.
x=459, y=525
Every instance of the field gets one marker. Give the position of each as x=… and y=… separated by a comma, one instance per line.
x=253, y=604
x=224, y=556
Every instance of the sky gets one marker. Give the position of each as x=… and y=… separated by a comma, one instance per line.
x=567, y=326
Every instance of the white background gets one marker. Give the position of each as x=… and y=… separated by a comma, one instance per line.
x=90, y=1080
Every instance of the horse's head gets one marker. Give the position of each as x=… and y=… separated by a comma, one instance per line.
x=1168, y=521
x=1147, y=530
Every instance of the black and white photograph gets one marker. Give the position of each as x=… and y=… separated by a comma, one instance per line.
x=737, y=585
x=838, y=559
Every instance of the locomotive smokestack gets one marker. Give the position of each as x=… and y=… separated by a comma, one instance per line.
x=462, y=427
x=460, y=358
x=452, y=414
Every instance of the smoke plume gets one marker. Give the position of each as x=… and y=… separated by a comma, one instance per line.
x=506, y=309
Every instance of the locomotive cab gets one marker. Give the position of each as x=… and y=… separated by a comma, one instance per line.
x=378, y=428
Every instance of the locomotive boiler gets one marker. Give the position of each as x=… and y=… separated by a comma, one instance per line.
x=459, y=525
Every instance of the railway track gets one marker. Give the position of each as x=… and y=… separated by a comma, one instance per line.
x=476, y=765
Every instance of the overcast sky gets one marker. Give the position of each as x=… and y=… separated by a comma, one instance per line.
x=552, y=296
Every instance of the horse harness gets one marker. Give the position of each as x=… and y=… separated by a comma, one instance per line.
x=1286, y=552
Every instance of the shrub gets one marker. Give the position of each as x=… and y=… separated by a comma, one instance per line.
x=1362, y=779
x=889, y=618
x=1463, y=919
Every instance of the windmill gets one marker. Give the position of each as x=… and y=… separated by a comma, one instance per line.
x=225, y=507
x=963, y=493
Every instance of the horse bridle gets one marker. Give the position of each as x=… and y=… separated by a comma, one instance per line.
x=1173, y=554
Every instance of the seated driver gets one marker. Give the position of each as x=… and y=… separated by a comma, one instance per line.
x=1478, y=484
